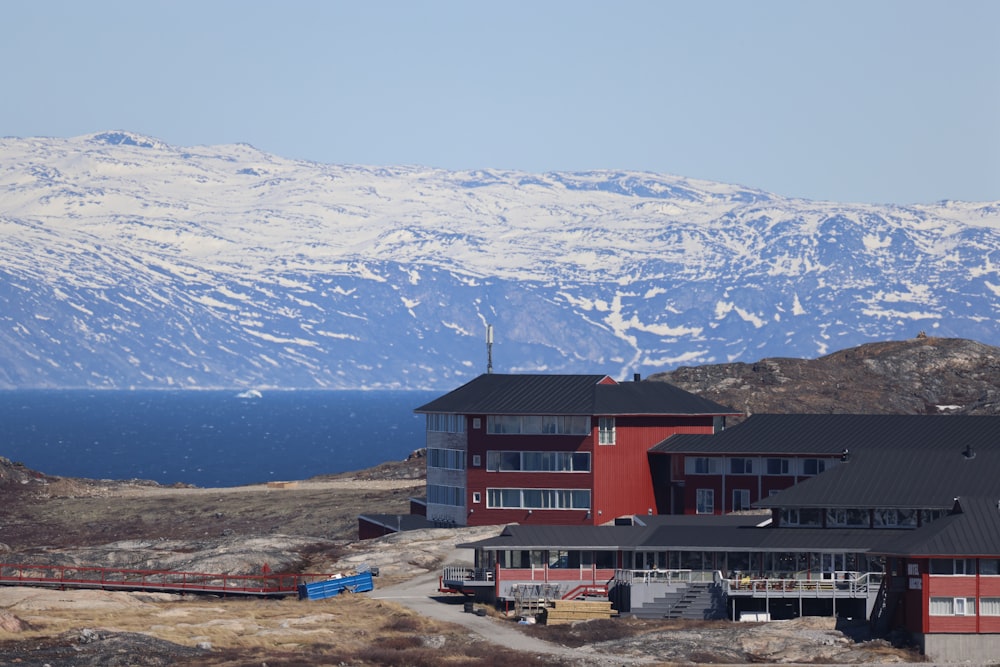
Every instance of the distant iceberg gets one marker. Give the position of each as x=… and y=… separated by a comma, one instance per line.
x=250, y=393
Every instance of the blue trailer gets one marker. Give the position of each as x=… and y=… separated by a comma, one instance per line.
x=352, y=583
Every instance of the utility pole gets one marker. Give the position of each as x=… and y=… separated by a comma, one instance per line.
x=489, y=348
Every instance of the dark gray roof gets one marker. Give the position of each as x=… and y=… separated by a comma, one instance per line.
x=705, y=534
x=730, y=538
x=500, y=394
x=972, y=529
x=831, y=434
x=710, y=520
x=915, y=472
x=518, y=536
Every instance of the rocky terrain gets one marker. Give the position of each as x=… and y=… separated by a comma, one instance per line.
x=922, y=375
x=303, y=527
x=310, y=526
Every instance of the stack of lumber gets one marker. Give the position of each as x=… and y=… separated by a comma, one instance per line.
x=569, y=611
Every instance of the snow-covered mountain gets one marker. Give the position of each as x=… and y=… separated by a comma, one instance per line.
x=127, y=262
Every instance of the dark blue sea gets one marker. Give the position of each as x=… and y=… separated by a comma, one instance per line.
x=208, y=438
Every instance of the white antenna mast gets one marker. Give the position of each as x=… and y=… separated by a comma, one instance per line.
x=489, y=348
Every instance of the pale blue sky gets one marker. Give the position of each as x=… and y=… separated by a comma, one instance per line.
x=864, y=101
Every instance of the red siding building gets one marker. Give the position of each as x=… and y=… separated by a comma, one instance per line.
x=553, y=449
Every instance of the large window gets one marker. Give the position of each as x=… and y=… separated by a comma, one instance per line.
x=813, y=466
x=702, y=465
x=705, y=501
x=777, y=466
x=451, y=459
x=989, y=606
x=606, y=430
x=438, y=494
x=538, y=424
x=740, y=466
x=445, y=423
x=895, y=518
x=940, y=606
x=805, y=517
x=558, y=499
x=500, y=461
x=953, y=566
x=847, y=517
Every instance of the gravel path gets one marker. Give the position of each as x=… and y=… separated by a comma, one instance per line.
x=421, y=595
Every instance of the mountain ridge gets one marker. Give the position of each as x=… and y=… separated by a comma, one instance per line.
x=920, y=375
x=129, y=262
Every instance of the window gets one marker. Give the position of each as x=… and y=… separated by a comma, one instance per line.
x=777, y=466
x=538, y=424
x=940, y=606
x=738, y=466
x=843, y=517
x=989, y=566
x=445, y=423
x=560, y=499
x=450, y=459
x=800, y=517
x=702, y=465
x=953, y=566
x=741, y=499
x=512, y=461
x=606, y=430
x=476, y=460
x=477, y=497
x=813, y=466
x=989, y=606
x=445, y=495
x=706, y=501
x=895, y=518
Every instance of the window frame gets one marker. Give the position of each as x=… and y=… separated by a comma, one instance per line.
x=783, y=463
x=745, y=465
x=574, y=425
x=538, y=499
x=744, y=493
x=705, y=501
x=606, y=434
x=513, y=460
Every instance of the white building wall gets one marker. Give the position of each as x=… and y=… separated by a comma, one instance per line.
x=451, y=514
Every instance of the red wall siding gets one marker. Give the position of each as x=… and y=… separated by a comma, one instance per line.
x=619, y=480
x=622, y=481
x=760, y=486
x=955, y=587
x=478, y=479
x=989, y=587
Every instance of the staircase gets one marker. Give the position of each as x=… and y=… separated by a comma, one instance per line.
x=695, y=601
x=886, y=604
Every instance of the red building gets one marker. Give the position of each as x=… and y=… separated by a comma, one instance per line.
x=944, y=588
x=902, y=528
x=734, y=470
x=554, y=449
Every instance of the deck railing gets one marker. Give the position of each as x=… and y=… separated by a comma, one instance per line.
x=453, y=573
x=634, y=577
x=854, y=584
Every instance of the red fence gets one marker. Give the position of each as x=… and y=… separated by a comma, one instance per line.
x=71, y=576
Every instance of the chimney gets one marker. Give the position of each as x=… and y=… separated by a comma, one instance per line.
x=636, y=377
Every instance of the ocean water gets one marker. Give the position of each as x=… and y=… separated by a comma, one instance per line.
x=208, y=438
